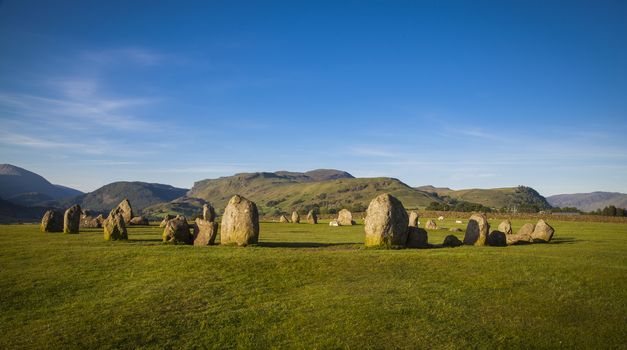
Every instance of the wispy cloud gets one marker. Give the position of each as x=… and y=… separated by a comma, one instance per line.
x=371, y=152
x=133, y=55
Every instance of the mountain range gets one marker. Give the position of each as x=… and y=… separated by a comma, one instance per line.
x=326, y=190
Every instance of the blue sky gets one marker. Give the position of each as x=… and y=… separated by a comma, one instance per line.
x=451, y=93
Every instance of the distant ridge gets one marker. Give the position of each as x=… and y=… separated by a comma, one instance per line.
x=21, y=186
x=520, y=198
x=589, y=201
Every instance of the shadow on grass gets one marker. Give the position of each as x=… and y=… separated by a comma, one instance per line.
x=564, y=240
x=301, y=244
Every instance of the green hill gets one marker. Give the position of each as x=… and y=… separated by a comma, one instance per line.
x=519, y=198
x=283, y=192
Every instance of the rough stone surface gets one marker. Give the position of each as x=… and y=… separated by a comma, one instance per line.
x=139, y=220
x=526, y=230
x=417, y=237
x=505, y=227
x=114, y=228
x=519, y=238
x=88, y=221
x=497, y=239
x=205, y=232
x=543, y=232
x=208, y=213
x=124, y=208
x=312, y=217
x=240, y=223
x=295, y=217
x=413, y=219
x=345, y=218
x=452, y=241
x=431, y=225
x=386, y=222
x=72, y=219
x=165, y=220
x=52, y=221
x=477, y=230
x=284, y=219
x=177, y=231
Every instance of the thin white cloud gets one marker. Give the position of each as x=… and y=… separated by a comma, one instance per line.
x=371, y=152
x=127, y=55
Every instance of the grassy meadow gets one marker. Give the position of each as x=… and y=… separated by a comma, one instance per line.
x=312, y=286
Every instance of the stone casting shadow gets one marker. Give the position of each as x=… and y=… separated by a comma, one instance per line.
x=563, y=240
x=300, y=244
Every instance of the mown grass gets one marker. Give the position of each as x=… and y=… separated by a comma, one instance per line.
x=309, y=286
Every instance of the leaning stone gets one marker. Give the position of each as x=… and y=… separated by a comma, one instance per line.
x=413, y=219
x=452, y=241
x=72, y=219
x=543, y=232
x=312, y=217
x=345, y=218
x=417, y=237
x=52, y=221
x=165, y=220
x=477, y=230
x=505, y=227
x=386, y=222
x=125, y=209
x=431, y=225
x=283, y=219
x=208, y=213
x=205, y=232
x=114, y=228
x=295, y=217
x=497, y=239
x=177, y=231
x=240, y=222
x=526, y=230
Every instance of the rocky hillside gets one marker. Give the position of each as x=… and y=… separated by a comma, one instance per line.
x=589, y=201
x=521, y=198
x=326, y=190
x=24, y=187
x=140, y=194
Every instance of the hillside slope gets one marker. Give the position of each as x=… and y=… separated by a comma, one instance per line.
x=519, y=198
x=282, y=192
x=22, y=186
x=140, y=194
x=589, y=201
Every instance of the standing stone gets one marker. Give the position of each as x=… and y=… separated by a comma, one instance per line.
x=240, y=222
x=431, y=225
x=52, y=221
x=72, y=219
x=386, y=222
x=312, y=217
x=497, y=239
x=452, y=241
x=477, y=230
x=505, y=227
x=283, y=219
x=543, y=232
x=208, y=213
x=417, y=237
x=345, y=218
x=139, y=220
x=177, y=231
x=205, y=232
x=124, y=208
x=413, y=219
x=114, y=228
x=165, y=220
x=295, y=217
x=88, y=221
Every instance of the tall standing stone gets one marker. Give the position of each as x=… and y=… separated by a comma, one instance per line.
x=295, y=217
x=125, y=209
x=413, y=219
x=177, y=231
x=72, y=219
x=386, y=222
x=114, y=228
x=345, y=218
x=205, y=232
x=312, y=217
x=505, y=227
x=208, y=213
x=240, y=223
x=52, y=221
x=542, y=232
x=283, y=219
x=477, y=230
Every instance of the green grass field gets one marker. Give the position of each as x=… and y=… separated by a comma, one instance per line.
x=312, y=286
